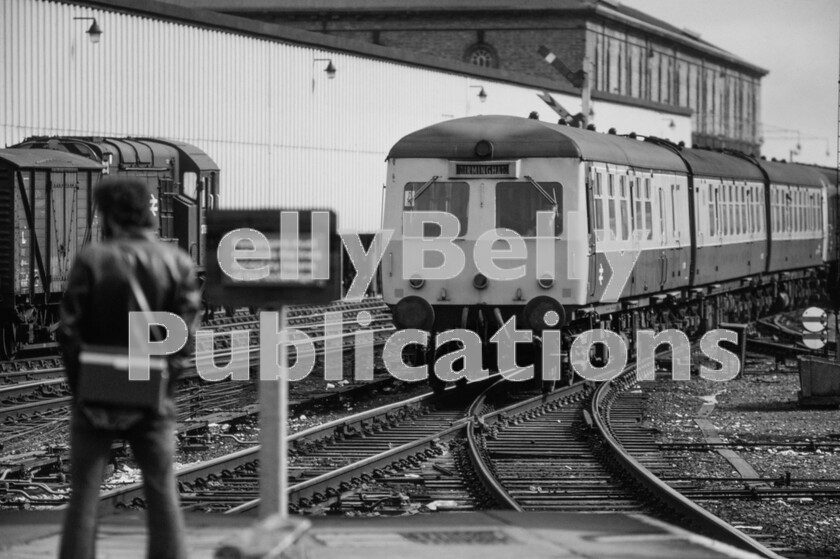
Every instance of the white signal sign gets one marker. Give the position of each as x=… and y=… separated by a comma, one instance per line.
x=815, y=321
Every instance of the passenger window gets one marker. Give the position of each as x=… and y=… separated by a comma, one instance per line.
x=625, y=217
x=744, y=221
x=724, y=212
x=598, y=210
x=662, y=228
x=449, y=197
x=639, y=217
x=713, y=202
x=785, y=211
x=802, y=226
x=648, y=210
x=517, y=204
x=612, y=218
x=674, y=189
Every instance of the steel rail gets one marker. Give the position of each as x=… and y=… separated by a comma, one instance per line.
x=356, y=423
x=693, y=513
x=483, y=470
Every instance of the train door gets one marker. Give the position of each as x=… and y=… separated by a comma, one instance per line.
x=662, y=205
x=647, y=271
x=635, y=246
x=64, y=219
x=595, y=205
x=208, y=201
x=162, y=207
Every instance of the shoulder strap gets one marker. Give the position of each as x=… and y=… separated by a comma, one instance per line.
x=140, y=297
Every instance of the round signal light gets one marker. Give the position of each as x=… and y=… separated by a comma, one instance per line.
x=413, y=312
x=480, y=281
x=416, y=282
x=543, y=312
x=546, y=282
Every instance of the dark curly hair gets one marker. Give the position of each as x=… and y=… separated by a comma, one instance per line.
x=126, y=201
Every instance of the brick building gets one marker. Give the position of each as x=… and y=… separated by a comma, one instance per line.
x=630, y=54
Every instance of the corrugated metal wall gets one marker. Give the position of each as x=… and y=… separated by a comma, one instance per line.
x=282, y=133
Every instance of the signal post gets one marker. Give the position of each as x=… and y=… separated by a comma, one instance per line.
x=267, y=259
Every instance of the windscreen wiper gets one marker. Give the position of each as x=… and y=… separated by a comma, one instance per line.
x=551, y=198
x=424, y=188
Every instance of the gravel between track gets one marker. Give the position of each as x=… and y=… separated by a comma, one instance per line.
x=758, y=406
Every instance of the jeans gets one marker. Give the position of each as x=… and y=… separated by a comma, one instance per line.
x=153, y=444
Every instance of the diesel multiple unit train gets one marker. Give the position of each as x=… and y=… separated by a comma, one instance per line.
x=635, y=233
x=47, y=215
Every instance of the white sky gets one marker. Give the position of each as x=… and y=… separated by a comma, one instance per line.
x=798, y=41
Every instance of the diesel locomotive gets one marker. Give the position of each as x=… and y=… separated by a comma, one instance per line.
x=568, y=228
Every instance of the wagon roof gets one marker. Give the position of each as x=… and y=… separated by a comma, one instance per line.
x=706, y=163
x=46, y=159
x=791, y=173
x=514, y=137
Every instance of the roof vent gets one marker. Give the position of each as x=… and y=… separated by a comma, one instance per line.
x=691, y=33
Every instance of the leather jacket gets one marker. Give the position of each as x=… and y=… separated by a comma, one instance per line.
x=98, y=296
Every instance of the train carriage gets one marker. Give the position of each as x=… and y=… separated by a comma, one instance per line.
x=728, y=199
x=47, y=216
x=185, y=179
x=797, y=198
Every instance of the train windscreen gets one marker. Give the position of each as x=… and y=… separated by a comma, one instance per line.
x=433, y=196
x=517, y=204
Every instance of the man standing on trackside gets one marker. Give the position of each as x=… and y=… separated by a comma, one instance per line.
x=94, y=311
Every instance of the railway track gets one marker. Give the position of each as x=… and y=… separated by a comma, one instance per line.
x=327, y=460
x=34, y=404
x=574, y=450
x=37, y=385
x=538, y=455
x=567, y=452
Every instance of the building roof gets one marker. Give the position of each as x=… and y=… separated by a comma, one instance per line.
x=187, y=11
x=609, y=9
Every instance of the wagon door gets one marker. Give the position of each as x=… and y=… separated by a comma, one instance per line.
x=65, y=223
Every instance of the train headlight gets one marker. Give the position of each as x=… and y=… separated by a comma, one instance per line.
x=543, y=312
x=483, y=149
x=414, y=312
x=480, y=281
x=546, y=282
x=416, y=282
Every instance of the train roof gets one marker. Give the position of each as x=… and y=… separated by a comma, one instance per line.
x=515, y=137
x=830, y=173
x=46, y=159
x=791, y=173
x=195, y=156
x=131, y=151
x=706, y=163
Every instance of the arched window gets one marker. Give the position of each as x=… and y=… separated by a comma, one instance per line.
x=482, y=54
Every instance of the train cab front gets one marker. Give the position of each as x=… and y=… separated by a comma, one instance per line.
x=470, y=253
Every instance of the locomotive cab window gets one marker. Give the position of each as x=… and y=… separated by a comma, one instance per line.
x=449, y=197
x=517, y=204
